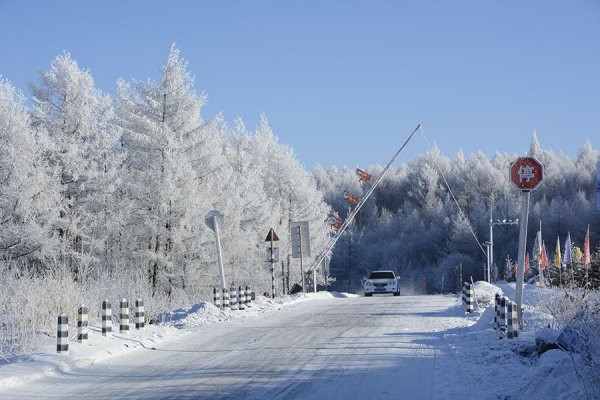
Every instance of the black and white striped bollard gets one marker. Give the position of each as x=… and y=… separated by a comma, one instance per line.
x=512, y=328
x=62, y=334
x=470, y=298
x=497, y=311
x=248, y=297
x=216, y=298
x=241, y=299
x=464, y=293
x=82, y=324
x=139, y=314
x=124, y=317
x=502, y=319
x=106, y=319
x=225, y=299
x=233, y=298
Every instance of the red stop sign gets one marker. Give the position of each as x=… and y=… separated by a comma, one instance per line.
x=526, y=173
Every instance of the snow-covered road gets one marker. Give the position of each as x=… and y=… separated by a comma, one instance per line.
x=340, y=348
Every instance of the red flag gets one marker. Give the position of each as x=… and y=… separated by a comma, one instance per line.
x=544, y=258
x=526, y=263
x=335, y=221
x=364, y=176
x=586, y=248
x=351, y=198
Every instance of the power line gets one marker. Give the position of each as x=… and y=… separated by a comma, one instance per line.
x=451, y=193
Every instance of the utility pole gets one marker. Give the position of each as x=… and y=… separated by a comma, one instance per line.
x=492, y=224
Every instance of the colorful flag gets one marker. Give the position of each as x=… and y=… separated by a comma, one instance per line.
x=557, y=256
x=537, y=246
x=598, y=186
x=364, y=176
x=526, y=264
x=544, y=258
x=351, y=198
x=567, y=256
x=586, y=248
x=335, y=221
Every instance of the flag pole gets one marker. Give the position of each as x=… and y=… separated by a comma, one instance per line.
x=541, y=271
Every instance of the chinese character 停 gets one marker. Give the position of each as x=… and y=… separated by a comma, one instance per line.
x=526, y=172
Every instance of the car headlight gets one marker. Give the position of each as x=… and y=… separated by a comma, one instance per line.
x=369, y=283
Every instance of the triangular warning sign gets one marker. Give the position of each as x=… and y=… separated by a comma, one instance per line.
x=272, y=236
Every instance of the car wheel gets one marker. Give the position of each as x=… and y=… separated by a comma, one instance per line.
x=397, y=293
x=368, y=294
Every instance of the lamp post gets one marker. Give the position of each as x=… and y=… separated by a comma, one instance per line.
x=491, y=242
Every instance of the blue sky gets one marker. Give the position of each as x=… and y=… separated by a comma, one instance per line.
x=343, y=82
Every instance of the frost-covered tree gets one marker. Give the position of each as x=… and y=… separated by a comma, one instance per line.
x=79, y=120
x=29, y=193
x=161, y=130
x=292, y=192
x=245, y=203
x=428, y=233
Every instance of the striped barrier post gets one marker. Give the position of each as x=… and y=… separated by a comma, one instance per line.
x=502, y=319
x=124, y=317
x=241, y=299
x=512, y=328
x=82, y=324
x=139, y=314
x=233, y=298
x=106, y=319
x=497, y=311
x=225, y=299
x=216, y=298
x=464, y=293
x=248, y=297
x=62, y=335
x=470, y=298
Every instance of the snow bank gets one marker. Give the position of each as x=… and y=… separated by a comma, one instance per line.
x=485, y=293
x=485, y=357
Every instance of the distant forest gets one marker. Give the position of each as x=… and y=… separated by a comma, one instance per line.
x=412, y=226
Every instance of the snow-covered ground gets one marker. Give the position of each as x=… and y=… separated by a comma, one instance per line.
x=46, y=363
x=310, y=347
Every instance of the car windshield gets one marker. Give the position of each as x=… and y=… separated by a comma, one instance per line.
x=381, y=275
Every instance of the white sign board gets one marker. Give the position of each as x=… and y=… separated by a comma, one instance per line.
x=275, y=254
x=300, y=234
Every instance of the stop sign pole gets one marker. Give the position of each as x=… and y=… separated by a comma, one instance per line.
x=526, y=173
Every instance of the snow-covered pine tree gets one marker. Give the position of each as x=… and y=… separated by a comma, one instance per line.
x=244, y=201
x=79, y=120
x=291, y=191
x=29, y=193
x=161, y=128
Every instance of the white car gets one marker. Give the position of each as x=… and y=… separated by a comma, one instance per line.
x=382, y=282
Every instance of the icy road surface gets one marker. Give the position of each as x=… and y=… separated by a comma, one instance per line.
x=350, y=348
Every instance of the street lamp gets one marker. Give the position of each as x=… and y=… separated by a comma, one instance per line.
x=491, y=242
